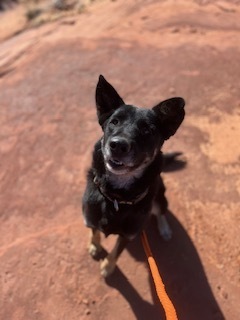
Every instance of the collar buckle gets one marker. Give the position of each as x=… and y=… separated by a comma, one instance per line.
x=116, y=205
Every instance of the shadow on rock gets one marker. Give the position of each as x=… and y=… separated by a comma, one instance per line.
x=142, y=309
x=173, y=161
x=182, y=273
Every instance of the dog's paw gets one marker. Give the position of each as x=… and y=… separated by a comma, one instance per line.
x=107, y=267
x=94, y=249
x=164, y=228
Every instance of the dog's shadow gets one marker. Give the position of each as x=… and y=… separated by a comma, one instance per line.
x=173, y=161
x=182, y=272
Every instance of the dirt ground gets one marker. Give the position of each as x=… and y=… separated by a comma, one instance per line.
x=149, y=50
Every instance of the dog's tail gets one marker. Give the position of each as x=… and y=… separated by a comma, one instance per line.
x=171, y=161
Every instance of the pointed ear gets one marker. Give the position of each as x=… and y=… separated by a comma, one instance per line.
x=107, y=100
x=171, y=114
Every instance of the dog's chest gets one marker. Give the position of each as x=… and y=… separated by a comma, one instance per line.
x=127, y=221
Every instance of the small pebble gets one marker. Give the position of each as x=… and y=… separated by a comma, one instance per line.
x=175, y=30
x=85, y=301
x=193, y=30
x=172, y=90
x=225, y=295
x=87, y=312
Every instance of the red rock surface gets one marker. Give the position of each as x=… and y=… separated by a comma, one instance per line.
x=149, y=50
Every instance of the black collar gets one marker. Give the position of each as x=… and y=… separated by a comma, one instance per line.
x=116, y=202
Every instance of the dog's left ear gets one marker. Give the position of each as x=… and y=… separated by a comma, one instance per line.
x=171, y=114
x=107, y=100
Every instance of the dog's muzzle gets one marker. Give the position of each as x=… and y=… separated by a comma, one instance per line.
x=119, y=146
x=117, y=153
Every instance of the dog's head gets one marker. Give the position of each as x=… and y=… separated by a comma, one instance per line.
x=132, y=135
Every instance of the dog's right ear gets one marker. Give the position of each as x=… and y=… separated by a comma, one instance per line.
x=107, y=100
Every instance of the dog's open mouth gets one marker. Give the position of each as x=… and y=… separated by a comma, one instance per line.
x=116, y=164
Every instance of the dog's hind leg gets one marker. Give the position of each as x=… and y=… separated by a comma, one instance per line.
x=109, y=263
x=94, y=246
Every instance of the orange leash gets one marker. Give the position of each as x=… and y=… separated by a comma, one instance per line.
x=168, y=307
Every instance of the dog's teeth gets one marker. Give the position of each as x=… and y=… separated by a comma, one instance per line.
x=117, y=162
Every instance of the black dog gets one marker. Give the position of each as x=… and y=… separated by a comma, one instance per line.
x=124, y=185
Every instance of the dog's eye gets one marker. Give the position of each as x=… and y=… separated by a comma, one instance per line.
x=114, y=122
x=145, y=130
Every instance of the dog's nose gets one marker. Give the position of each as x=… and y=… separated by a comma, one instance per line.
x=119, y=145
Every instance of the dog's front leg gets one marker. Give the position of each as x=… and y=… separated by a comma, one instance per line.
x=159, y=209
x=94, y=246
x=109, y=263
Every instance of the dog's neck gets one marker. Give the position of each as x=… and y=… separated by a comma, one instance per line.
x=123, y=181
